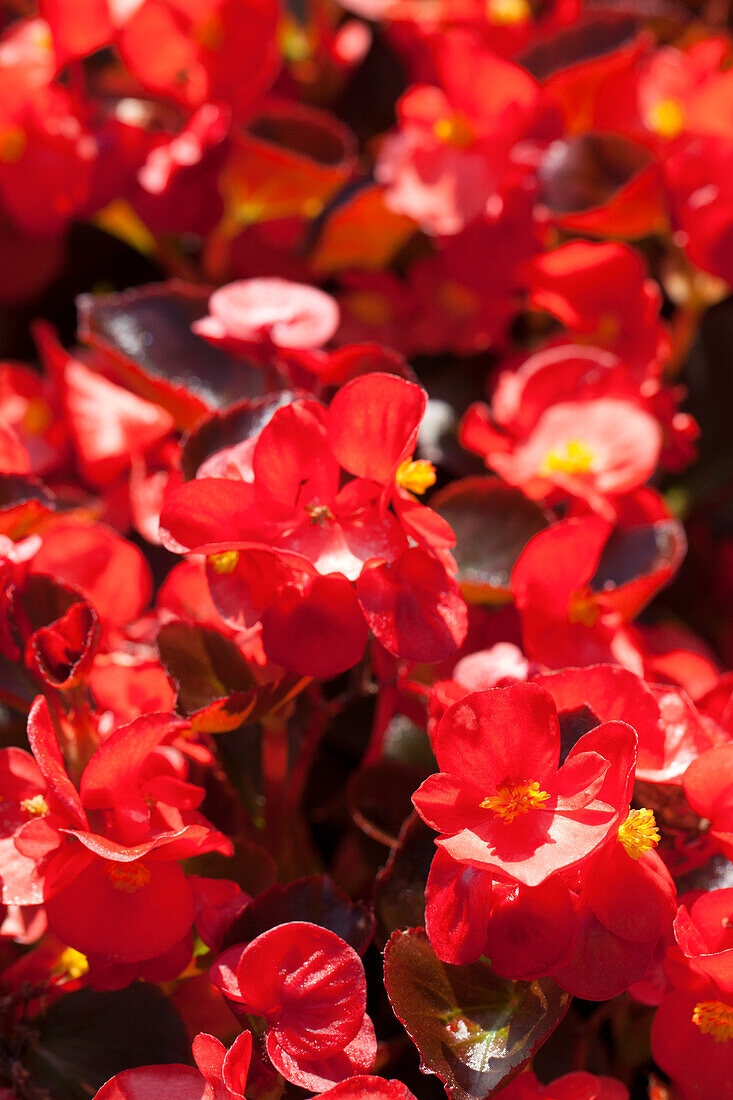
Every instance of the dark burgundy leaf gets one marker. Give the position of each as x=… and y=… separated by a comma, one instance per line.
x=380, y=798
x=216, y=687
x=224, y=429
x=23, y=501
x=315, y=899
x=146, y=339
x=493, y=523
x=87, y=1037
x=399, y=892
x=472, y=1029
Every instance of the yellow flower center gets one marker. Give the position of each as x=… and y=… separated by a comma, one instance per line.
x=583, y=608
x=72, y=963
x=319, y=513
x=457, y=299
x=506, y=13
x=666, y=118
x=573, y=457
x=454, y=130
x=714, y=1018
x=370, y=307
x=37, y=417
x=129, y=877
x=639, y=833
x=225, y=562
x=514, y=797
x=415, y=476
x=295, y=42
x=36, y=805
x=13, y=142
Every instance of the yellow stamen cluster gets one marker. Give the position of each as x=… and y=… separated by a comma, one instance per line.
x=72, y=963
x=415, y=476
x=514, y=797
x=458, y=300
x=370, y=307
x=639, y=833
x=714, y=1018
x=226, y=562
x=574, y=457
x=583, y=608
x=454, y=130
x=129, y=877
x=36, y=805
x=507, y=13
x=13, y=142
x=318, y=514
x=666, y=118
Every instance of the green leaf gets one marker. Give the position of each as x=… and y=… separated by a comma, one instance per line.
x=474, y=1030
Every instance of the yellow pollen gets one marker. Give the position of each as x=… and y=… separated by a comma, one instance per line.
x=639, y=833
x=457, y=299
x=72, y=963
x=295, y=43
x=129, y=877
x=506, y=13
x=454, y=130
x=714, y=1018
x=573, y=457
x=666, y=118
x=583, y=608
x=37, y=417
x=13, y=142
x=514, y=797
x=415, y=475
x=318, y=513
x=370, y=307
x=225, y=562
x=36, y=805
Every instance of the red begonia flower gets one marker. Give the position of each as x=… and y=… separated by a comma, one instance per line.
x=373, y=423
x=23, y=790
x=570, y=1087
x=413, y=607
x=125, y=776
x=571, y=617
x=365, y=1087
x=602, y=965
x=671, y=732
x=451, y=149
x=708, y=784
x=601, y=290
x=310, y=987
x=590, y=450
x=704, y=935
x=200, y=51
x=500, y=802
x=290, y=315
x=221, y=1074
x=92, y=558
x=691, y=1041
x=316, y=629
x=573, y=1086
x=458, y=899
x=124, y=911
